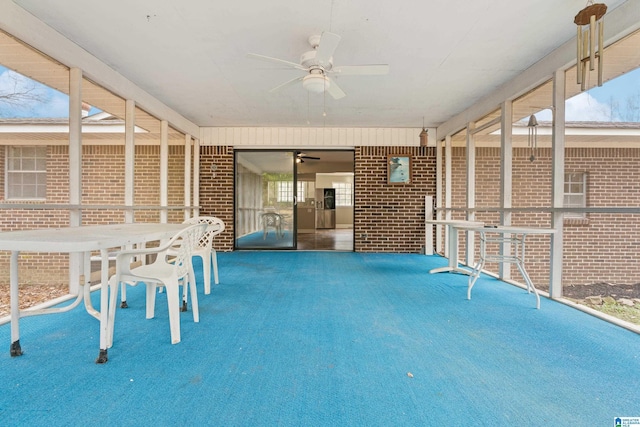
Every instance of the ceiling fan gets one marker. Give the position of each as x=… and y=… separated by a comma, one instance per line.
x=301, y=156
x=318, y=67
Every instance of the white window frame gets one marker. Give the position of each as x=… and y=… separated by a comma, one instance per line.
x=284, y=191
x=26, y=173
x=344, y=194
x=575, y=193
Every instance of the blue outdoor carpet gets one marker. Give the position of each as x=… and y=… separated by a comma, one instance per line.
x=328, y=339
x=257, y=240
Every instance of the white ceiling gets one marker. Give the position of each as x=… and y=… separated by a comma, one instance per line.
x=444, y=55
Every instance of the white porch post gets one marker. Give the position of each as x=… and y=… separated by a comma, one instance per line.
x=187, y=176
x=129, y=159
x=471, y=190
x=75, y=170
x=447, y=187
x=164, y=171
x=506, y=182
x=196, y=177
x=557, y=182
x=428, y=228
x=438, y=194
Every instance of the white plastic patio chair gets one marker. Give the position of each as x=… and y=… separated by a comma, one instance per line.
x=205, y=249
x=123, y=289
x=167, y=271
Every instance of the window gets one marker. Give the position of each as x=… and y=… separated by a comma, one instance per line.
x=26, y=173
x=285, y=191
x=344, y=193
x=305, y=189
x=575, y=193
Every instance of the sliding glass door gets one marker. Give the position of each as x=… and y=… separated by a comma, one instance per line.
x=265, y=199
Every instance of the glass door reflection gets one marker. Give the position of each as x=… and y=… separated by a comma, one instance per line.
x=265, y=189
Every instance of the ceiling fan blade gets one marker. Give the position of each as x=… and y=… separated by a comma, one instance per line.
x=286, y=84
x=361, y=70
x=335, y=91
x=328, y=44
x=301, y=155
x=276, y=60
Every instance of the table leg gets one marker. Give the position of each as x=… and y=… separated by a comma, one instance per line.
x=453, y=256
x=104, y=308
x=475, y=274
x=15, y=349
x=529, y=283
x=87, y=287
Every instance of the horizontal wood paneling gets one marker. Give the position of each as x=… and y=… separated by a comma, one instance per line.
x=310, y=137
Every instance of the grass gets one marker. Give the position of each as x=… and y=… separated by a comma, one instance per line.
x=613, y=308
x=623, y=312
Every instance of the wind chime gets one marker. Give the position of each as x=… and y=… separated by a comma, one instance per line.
x=587, y=40
x=532, y=138
x=424, y=135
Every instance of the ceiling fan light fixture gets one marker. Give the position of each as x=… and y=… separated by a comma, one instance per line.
x=318, y=63
x=316, y=83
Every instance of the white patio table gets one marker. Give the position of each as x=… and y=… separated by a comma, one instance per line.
x=513, y=236
x=453, y=243
x=82, y=239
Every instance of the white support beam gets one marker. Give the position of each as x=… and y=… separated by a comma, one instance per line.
x=557, y=182
x=506, y=179
x=428, y=228
x=448, y=185
x=196, y=177
x=75, y=171
x=187, y=176
x=26, y=27
x=164, y=170
x=471, y=190
x=448, y=167
x=129, y=159
x=75, y=143
x=439, y=194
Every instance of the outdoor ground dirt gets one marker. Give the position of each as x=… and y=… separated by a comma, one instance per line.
x=614, y=290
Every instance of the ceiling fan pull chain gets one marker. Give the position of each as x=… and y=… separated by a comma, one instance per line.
x=324, y=106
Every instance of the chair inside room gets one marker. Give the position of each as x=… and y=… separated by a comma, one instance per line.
x=271, y=221
x=205, y=249
x=168, y=271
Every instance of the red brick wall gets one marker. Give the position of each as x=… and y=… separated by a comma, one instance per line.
x=103, y=184
x=147, y=182
x=387, y=218
x=34, y=267
x=390, y=218
x=604, y=247
x=216, y=190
